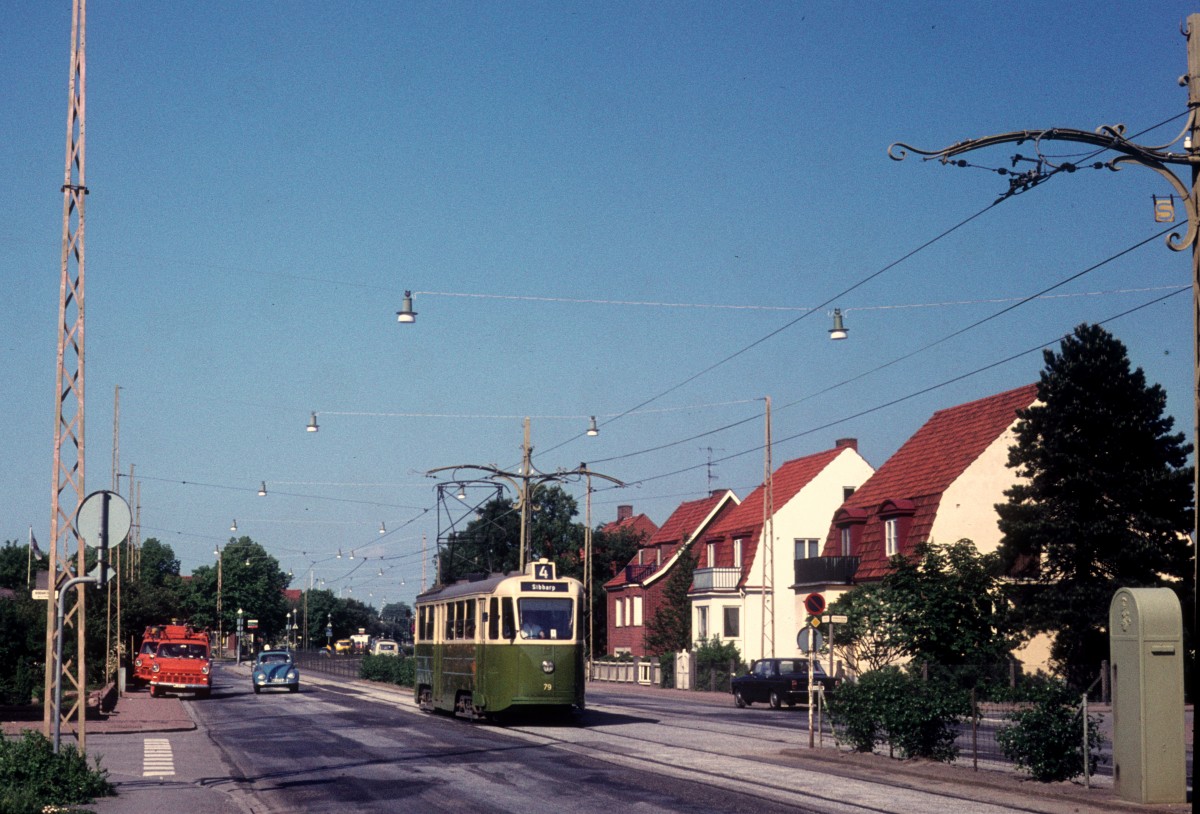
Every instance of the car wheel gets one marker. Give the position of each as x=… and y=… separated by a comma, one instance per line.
x=154, y=691
x=202, y=693
x=257, y=689
x=740, y=699
x=776, y=701
x=294, y=688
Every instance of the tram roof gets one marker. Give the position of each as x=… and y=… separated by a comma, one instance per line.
x=463, y=587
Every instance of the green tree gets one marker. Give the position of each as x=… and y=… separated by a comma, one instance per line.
x=669, y=630
x=942, y=606
x=1104, y=501
x=22, y=629
x=251, y=580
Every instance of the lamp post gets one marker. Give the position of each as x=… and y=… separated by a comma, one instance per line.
x=329, y=631
x=220, y=609
x=239, y=636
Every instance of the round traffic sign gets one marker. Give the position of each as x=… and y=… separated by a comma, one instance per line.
x=809, y=639
x=815, y=604
x=97, y=510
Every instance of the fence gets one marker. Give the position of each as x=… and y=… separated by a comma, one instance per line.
x=320, y=661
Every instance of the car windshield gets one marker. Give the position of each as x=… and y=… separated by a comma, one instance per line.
x=178, y=650
x=545, y=618
x=274, y=658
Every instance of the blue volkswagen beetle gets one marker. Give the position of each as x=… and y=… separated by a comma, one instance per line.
x=275, y=668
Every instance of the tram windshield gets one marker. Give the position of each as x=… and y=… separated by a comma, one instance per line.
x=543, y=618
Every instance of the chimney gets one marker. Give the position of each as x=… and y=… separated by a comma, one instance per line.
x=624, y=512
x=843, y=443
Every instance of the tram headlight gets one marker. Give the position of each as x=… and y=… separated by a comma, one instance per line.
x=547, y=666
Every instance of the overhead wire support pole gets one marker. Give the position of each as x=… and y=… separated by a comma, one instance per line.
x=68, y=489
x=1161, y=159
x=526, y=482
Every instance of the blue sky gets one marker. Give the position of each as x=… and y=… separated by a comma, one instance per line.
x=577, y=194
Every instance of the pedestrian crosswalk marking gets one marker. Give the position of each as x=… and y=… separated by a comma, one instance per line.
x=157, y=759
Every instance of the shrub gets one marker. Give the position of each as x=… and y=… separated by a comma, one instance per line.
x=916, y=717
x=388, y=669
x=32, y=777
x=713, y=660
x=1047, y=738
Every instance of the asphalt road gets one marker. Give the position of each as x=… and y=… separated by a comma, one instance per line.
x=346, y=746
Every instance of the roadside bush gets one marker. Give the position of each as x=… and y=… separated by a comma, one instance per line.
x=713, y=664
x=388, y=669
x=915, y=717
x=32, y=777
x=1046, y=739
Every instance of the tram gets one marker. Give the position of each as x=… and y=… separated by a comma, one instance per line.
x=497, y=643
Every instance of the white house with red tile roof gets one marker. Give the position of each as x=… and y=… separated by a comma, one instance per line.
x=941, y=486
x=636, y=593
x=730, y=582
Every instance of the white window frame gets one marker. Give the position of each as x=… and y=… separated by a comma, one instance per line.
x=891, y=536
x=737, y=553
x=702, y=623
x=803, y=545
x=712, y=555
x=619, y=620
x=636, y=621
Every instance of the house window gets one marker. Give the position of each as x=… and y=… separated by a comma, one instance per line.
x=619, y=615
x=807, y=548
x=732, y=626
x=658, y=556
x=847, y=491
x=891, y=529
x=712, y=555
x=637, y=612
x=702, y=624
x=845, y=530
x=737, y=553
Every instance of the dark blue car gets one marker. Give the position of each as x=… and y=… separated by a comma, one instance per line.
x=275, y=668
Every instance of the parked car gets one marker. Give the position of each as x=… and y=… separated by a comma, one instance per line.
x=275, y=668
x=385, y=647
x=778, y=682
x=342, y=646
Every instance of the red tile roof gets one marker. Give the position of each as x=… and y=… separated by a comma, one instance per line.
x=683, y=523
x=640, y=525
x=921, y=471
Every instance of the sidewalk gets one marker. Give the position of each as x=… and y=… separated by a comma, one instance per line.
x=136, y=711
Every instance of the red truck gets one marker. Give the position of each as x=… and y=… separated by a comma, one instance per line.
x=174, y=658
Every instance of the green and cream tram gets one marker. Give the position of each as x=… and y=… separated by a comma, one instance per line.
x=502, y=642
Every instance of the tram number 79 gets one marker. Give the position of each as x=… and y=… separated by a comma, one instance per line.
x=547, y=687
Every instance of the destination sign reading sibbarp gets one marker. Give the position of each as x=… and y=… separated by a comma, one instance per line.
x=545, y=587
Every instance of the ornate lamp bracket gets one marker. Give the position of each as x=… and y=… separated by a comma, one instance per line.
x=1107, y=137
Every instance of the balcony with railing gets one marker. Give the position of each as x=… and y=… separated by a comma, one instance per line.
x=716, y=579
x=636, y=573
x=825, y=571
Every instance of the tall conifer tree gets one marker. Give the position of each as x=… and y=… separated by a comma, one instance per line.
x=1105, y=499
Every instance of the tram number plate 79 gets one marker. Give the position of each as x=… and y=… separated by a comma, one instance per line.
x=547, y=687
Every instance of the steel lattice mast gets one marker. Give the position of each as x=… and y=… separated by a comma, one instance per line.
x=68, y=477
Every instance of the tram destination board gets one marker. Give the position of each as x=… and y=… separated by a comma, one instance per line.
x=545, y=587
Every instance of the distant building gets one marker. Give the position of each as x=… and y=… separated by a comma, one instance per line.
x=635, y=594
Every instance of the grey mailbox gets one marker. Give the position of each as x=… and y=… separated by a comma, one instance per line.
x=1145, y=629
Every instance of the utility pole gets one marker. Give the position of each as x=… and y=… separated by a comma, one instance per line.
x=1159, y=158
x=767, y=645
x=68, y=480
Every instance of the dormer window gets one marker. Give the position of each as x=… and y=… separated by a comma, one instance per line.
x=847, y=540
x=849, y=522
x=737, y=553
x=897, y=518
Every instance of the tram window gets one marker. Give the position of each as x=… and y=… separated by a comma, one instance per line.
x=469, y=621
x=493, y=618
x=545, y=618
x=510, y=624
x=449, y=621
x=459, y=620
